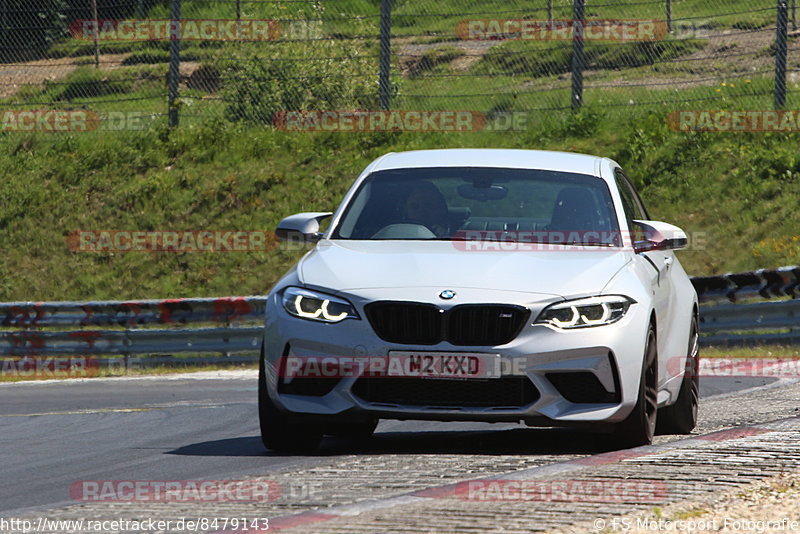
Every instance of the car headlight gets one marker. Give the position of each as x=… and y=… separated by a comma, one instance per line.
x=586, y=312
x=316, y=306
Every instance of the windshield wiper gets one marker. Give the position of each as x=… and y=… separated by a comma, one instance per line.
x=586, y=244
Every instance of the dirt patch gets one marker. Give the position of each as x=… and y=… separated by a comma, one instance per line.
x=731, y=53
x=37, y=73
x=412, y=54
x=728, y=53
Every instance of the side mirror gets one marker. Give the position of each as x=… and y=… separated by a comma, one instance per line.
x=301, y=227
x=659, y=236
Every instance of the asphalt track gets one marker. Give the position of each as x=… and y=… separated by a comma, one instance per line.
x=56, y=433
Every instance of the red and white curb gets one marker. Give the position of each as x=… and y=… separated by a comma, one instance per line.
x=541, y=472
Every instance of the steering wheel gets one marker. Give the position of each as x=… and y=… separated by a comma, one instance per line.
x=405, y=230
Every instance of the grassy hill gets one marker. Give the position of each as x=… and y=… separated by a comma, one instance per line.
x=740, y=189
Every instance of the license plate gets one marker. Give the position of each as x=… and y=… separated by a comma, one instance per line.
x=443, y=365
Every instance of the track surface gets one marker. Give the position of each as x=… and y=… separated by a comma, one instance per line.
x=54, y=434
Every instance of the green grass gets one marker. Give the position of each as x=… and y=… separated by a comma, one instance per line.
x=776, y=351
x=530, y=73
x=210, y=174
x=434, y=59
x=536, y=58
x=157, y=370
x=544, y=93
x=735, y=189
x=434, y=19
x=97, y=89
x=414, y=18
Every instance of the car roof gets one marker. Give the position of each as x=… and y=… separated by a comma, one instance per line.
x=492, y=157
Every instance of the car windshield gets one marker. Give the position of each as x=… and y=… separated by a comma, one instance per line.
x=454, y=203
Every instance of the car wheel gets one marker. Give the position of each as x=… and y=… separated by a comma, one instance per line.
x=639, y=427
x=355, y=431
x=278, y=431
x=681, y=417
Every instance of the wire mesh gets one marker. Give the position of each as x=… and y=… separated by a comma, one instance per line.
x=252, y=60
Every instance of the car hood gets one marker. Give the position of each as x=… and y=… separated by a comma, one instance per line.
x=564, y=272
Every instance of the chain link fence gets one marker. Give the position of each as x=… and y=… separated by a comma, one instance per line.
x=255, y=60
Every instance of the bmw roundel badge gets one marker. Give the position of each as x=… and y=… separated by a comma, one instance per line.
x=447, y=294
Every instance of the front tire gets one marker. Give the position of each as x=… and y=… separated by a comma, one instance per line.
x=681, y=417
x=278, y=431
x=639, y=427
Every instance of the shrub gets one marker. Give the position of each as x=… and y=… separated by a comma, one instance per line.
x=298, y=77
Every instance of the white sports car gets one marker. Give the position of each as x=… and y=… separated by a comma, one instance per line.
x=482, y=285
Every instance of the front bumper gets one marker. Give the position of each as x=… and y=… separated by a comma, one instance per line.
x=579, y=376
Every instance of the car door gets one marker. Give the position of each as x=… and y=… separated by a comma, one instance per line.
x=657, y=262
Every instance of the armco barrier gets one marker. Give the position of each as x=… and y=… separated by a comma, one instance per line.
x=222, y=326
x=733, y=311
x=211, y=326
x=132, y=313
x=763, y=283
x=759, y=323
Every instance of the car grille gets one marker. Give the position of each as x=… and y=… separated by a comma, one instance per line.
x=511, y=392
x=466, y=325
x=406, y=322
x=485, y=325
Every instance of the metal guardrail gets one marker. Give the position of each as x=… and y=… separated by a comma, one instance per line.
x=763, y=283
x=229, y=325
x=216, y=325
x=760, y=323
x=132, y=313
x=98, y=342
x=732, y=310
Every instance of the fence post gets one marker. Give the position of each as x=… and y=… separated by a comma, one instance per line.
x=550, y=11
x=385, y=53
x=780, y=54
x=174, y=60
x=4, y=28
x=577, y=53
x=669, y=16
x=794, y=14
x=238, y=19
x=96, y=31
x=140, y=9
